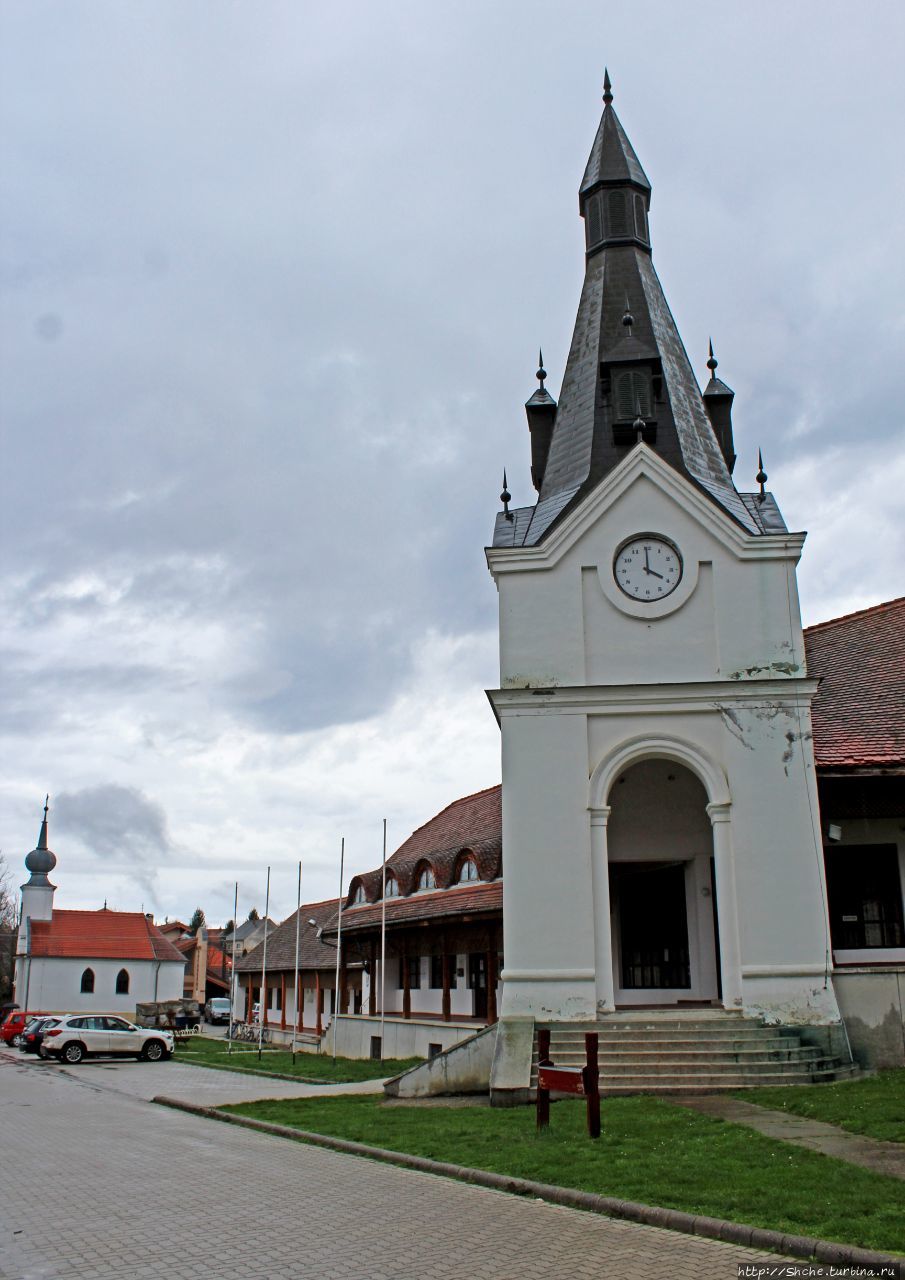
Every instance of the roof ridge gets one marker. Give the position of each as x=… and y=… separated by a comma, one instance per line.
x=857, y=613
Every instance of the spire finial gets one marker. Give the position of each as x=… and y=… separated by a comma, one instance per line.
x=506, y=498
x=639, y=424
x=541, y=375
x=607, y=88
x=627, y=318
x=42, y=837
x=761, y=476
x=712, y=360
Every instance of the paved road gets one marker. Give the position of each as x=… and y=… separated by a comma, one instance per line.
x=99, y=1184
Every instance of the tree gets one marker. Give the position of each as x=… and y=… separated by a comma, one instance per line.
x=197, y=920
x=228, y=927
x=253, y=914
x=7, y=930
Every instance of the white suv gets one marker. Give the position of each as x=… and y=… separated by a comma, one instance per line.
x=80, y=1035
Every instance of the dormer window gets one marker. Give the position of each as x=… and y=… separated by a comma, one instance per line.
x=426, y=880
x=468, y=871
x=392, y=887
x=358, y=897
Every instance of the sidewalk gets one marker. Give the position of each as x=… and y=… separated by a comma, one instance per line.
x=869, y=1153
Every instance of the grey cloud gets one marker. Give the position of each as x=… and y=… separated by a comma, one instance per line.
x=120, y=826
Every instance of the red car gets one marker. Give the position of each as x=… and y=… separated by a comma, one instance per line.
x=14, y=1024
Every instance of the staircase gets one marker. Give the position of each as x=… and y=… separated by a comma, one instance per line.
x=677, y=1052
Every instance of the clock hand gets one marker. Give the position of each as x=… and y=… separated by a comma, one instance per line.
x=647, y=559
x=654, y=573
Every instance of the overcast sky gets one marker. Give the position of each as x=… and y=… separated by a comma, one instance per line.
x=274, y=276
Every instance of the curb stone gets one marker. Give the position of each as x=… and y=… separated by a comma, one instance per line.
x=825, y=1251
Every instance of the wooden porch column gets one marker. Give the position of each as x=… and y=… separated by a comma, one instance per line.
x=372, y=984
x=299, y=1001
x=447, y=1000
x=343, y=996
x=491, y=978
x=249, y=1003
x=406, y=989
x=319, y=1000
x=282, y=1002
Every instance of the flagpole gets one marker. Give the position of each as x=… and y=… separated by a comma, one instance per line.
x=264, y=1001
x=383, y=939
x=232, y=977
x=339, y=944
x=298, y=925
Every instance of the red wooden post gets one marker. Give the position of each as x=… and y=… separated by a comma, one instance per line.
x=318, y=1001
x=447, y=1003
x=543, y=1095
x=591, y=1075
x=282, y=1002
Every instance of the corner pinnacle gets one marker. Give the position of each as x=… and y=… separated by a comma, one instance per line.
x=607, y=88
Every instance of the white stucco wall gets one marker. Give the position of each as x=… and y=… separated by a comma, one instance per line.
x=54, y=983
x=711, y=677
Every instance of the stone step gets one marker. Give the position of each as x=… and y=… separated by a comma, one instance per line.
x=692, y=1057
x=714, y=1033
x=762, y=1044
x=714, y=1070
x=701, y=1082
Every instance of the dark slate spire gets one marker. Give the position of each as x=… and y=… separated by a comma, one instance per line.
x=628, y=374
x=541, y=411
x=718, y=403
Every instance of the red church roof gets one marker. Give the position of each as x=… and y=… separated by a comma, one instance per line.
x=101, y=935
x=859, y=710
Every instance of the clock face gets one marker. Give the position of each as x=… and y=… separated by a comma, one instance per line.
x=647, y=567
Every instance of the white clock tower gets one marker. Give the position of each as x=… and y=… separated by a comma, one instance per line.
x=661, y=837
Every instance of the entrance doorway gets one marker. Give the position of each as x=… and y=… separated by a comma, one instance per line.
x=662, y=904
x=477, y=981
x=653, y=925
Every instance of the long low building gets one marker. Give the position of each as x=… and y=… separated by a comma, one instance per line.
x=443, y=901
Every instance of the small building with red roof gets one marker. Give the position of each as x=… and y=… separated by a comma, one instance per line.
x=69, y=961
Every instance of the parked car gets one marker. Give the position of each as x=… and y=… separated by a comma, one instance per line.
x=217, y=1009
x=31, y=1038
x=82, y=1035
x=15, y=1023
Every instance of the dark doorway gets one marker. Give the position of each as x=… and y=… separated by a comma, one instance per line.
x=477, y=981
x=653, y=925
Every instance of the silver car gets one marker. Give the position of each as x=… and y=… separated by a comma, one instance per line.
x=81, y=1035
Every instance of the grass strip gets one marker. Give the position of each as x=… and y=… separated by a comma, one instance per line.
x=308, y=1068
x=874, y=1106
x=650, y=1151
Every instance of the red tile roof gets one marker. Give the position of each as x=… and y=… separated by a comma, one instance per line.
x=859, y=710
x=101, y=935
x=470, y=899
x=472, y=824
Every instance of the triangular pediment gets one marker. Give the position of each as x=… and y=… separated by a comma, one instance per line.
x=642, y=464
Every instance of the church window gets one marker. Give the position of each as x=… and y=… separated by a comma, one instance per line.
x=392, y=889
x=865, y=893
x=426, y=879
x=122, y=982
x=88, y=982
x=467, y=871
x=632, y=393
x=617, y=220
x=640, y=218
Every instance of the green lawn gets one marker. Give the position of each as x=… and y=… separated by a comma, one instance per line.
x=650, y=1151
x=874, y=1106
x=206, y=1052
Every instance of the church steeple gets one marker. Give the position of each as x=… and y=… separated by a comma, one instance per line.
x=628, y=378
x=614, y=197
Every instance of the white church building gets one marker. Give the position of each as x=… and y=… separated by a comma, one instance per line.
x=72, y=961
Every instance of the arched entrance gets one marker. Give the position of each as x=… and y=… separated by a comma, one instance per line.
x=661, y=886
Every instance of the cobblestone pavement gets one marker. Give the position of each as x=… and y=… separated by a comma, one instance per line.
x=99, y=1184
